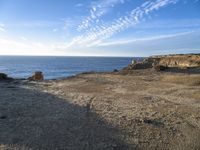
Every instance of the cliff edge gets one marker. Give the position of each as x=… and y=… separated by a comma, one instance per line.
x=162, y=62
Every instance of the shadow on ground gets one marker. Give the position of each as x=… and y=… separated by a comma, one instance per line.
x=194, y=70
x=30, y=119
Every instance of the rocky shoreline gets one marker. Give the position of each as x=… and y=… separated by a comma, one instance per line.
x=127, y=109
x=165, y=62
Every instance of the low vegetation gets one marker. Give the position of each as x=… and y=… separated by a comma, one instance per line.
x=191, y=80
x=3, y=76
x=196, y=95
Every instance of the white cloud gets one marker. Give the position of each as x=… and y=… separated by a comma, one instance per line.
x=186, y=42
x=23, y=38
x=103, y=31
x=68, y=23
x=79, y=5
x=36, y=24
x=55, y=30
x=97, y=10
x=15, y=47
x=2, y=27
x=169, y=24
x=129, y=41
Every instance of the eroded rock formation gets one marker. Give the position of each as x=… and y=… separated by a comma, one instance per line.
x=180, y=61
x=167, y=61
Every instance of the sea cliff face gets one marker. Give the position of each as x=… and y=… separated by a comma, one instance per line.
x=168, y=61
x=181, y=61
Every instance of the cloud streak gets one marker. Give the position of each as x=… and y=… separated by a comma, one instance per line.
x=97, y=10
x=25, y=47
x=160, y=37
x=102, y=31
x=2, y=27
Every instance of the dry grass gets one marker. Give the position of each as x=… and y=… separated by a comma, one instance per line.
x=196, y=95
x=191, y=80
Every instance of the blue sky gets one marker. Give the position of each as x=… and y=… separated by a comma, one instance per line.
x=99, y=27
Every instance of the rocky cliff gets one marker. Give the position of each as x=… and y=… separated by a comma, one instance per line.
x=181, y=61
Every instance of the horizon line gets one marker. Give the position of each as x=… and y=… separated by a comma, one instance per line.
x=97, y=55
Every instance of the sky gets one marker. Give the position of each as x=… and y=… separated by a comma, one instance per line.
x=99, y=27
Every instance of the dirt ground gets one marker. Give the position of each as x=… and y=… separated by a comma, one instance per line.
x=102, y=111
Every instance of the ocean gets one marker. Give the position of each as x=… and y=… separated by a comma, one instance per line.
x=55, y=67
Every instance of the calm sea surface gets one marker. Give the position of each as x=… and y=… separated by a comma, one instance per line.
x=58, y=67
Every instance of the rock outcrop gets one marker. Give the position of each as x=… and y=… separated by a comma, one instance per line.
x=3, y=76
x=159, y=63
x=38, y=76
x=180, y=61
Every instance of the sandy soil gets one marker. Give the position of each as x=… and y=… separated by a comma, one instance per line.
x=115, y=111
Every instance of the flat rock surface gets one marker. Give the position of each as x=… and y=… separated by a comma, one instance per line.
x=97, y=111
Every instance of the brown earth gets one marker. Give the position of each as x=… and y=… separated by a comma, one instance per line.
x=141, y=109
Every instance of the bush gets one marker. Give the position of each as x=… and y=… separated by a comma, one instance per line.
x=160, y=68
x=3, y=76
x=115, y=70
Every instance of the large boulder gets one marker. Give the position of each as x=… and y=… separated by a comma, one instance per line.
x=37, y=76
x=3, y=76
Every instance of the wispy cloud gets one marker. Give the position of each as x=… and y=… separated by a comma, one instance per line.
x=129, y=41
x=37, y=24
x=79, y=5
x=23, y=38
x=103, y=31
x=68, y=23
x=171, y=24
x=97, y=10
x=2, y=27
x=55, y=30
x=162, y=44
x=25, y=47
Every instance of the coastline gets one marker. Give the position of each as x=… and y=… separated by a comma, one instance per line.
x=56, y=67
x=128, y=109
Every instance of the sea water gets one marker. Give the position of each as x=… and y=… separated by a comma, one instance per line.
x=55, y=67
